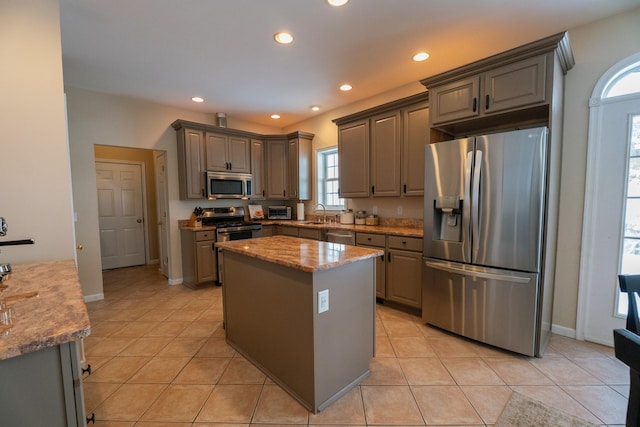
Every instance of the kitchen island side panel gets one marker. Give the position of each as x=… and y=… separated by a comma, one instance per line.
x=271, y=318
x=344, y=335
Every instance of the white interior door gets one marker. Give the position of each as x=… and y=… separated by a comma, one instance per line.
x=605, y=204
x=120, y=214
x=161, y=197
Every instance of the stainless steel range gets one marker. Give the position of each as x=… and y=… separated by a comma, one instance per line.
x=230, y=225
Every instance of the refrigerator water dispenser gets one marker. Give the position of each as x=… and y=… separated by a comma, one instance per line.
x=447, y=218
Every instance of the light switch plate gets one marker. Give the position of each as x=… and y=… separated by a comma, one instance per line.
x=323, y=301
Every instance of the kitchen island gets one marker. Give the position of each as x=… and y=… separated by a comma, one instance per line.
x=39, y=355
x=303, y=311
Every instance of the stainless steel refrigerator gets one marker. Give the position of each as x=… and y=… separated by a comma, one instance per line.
x=484, y=217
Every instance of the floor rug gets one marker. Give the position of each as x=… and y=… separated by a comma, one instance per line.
x=523, y=411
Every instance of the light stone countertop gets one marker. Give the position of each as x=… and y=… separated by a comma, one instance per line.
x=56, y=316
x=302, y=254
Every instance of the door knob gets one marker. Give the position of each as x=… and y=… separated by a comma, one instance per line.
x=79, y=247
x=139, y=220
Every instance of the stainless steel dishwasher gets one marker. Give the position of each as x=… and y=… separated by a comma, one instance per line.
x=345, y=237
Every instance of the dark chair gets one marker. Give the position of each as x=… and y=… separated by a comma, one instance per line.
x=627, y=345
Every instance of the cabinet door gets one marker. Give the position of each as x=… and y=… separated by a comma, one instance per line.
x=283, y=230
x=191, y=164
x=416, y=136
x=380, y=266
x=300, y=168
x=353, y=155
x=216, y=152
x=206, y=261
x=455, y=101
x=277, y=164
x=258, y=169
x=404, y=277
x=238, y=154
x=515, y=85
x=385, y=154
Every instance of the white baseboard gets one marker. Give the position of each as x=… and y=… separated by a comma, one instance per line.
x=175, y=281
x=95, y=297
x=564, y=331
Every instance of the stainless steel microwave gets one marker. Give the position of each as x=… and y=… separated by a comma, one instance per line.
x=221, y=185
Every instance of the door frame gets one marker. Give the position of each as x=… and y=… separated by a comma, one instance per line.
x=593, y=172
x=145, y=215
x=163, y=238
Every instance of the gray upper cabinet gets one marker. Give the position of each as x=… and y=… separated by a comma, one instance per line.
x=415, y=137
x=227, y=153
x=381, y=150
x=277, y=167
x=385, y=154
x=203, y=147
x=258, y=162
x=516, y=85
x=353, y=155
x=191, y=165
x=299, y=155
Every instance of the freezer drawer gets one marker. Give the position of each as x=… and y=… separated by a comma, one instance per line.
x=497, y=307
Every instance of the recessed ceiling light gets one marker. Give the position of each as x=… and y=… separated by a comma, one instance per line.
x=420, y=56
x=283, y=37
x=337, y=2
x=315, y=108
x=346, y=87
x=275, y=116
x=197, y=99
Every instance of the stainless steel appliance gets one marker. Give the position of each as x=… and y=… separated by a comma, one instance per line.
x=279, y=212
x=222, y=185
x=484, y=212
x=230, y=225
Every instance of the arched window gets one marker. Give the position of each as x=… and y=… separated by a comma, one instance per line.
x=627, y=82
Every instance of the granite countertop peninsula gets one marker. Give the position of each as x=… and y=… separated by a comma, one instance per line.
x=55, y=316
x=302, y=254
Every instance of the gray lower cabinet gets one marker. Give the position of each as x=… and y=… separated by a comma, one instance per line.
x=377, y=241
x=43, y=388
x=268, y=230
x=284, y=230
x=310, y=233
x=404, y=270
x=399, y=271
x=199, y=263
x=303, y=232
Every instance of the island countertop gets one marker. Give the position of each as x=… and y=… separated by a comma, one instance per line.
x=302, y=254
x=55, y=316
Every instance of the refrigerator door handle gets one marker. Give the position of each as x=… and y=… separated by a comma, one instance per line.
x=475, y=205
x=481, y=274
x=466, y=208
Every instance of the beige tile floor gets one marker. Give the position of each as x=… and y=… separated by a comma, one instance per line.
x=159, y=358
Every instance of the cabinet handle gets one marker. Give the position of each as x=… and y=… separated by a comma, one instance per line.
x=369, y=238
x=486, y=102
x=389, y=256
x=475, y=104
x=262, y=193
x=230, y=166
x=202, y=191
x=213, y=246
x=404, y=188
x=373, y=189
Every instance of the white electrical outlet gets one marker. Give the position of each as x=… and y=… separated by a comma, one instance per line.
x=323, y=301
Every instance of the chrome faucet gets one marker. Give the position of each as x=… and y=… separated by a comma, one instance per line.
x=324, y=211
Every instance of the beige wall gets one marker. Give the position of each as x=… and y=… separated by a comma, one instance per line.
x=596, y=47
x=34, y=155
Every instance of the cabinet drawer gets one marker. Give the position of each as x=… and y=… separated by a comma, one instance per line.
x=205, y=235
x=406, y=243
x=287, y=231
x=309, y=233
x=370, y=239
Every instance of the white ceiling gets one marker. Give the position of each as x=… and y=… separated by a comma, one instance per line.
x=170, y=50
